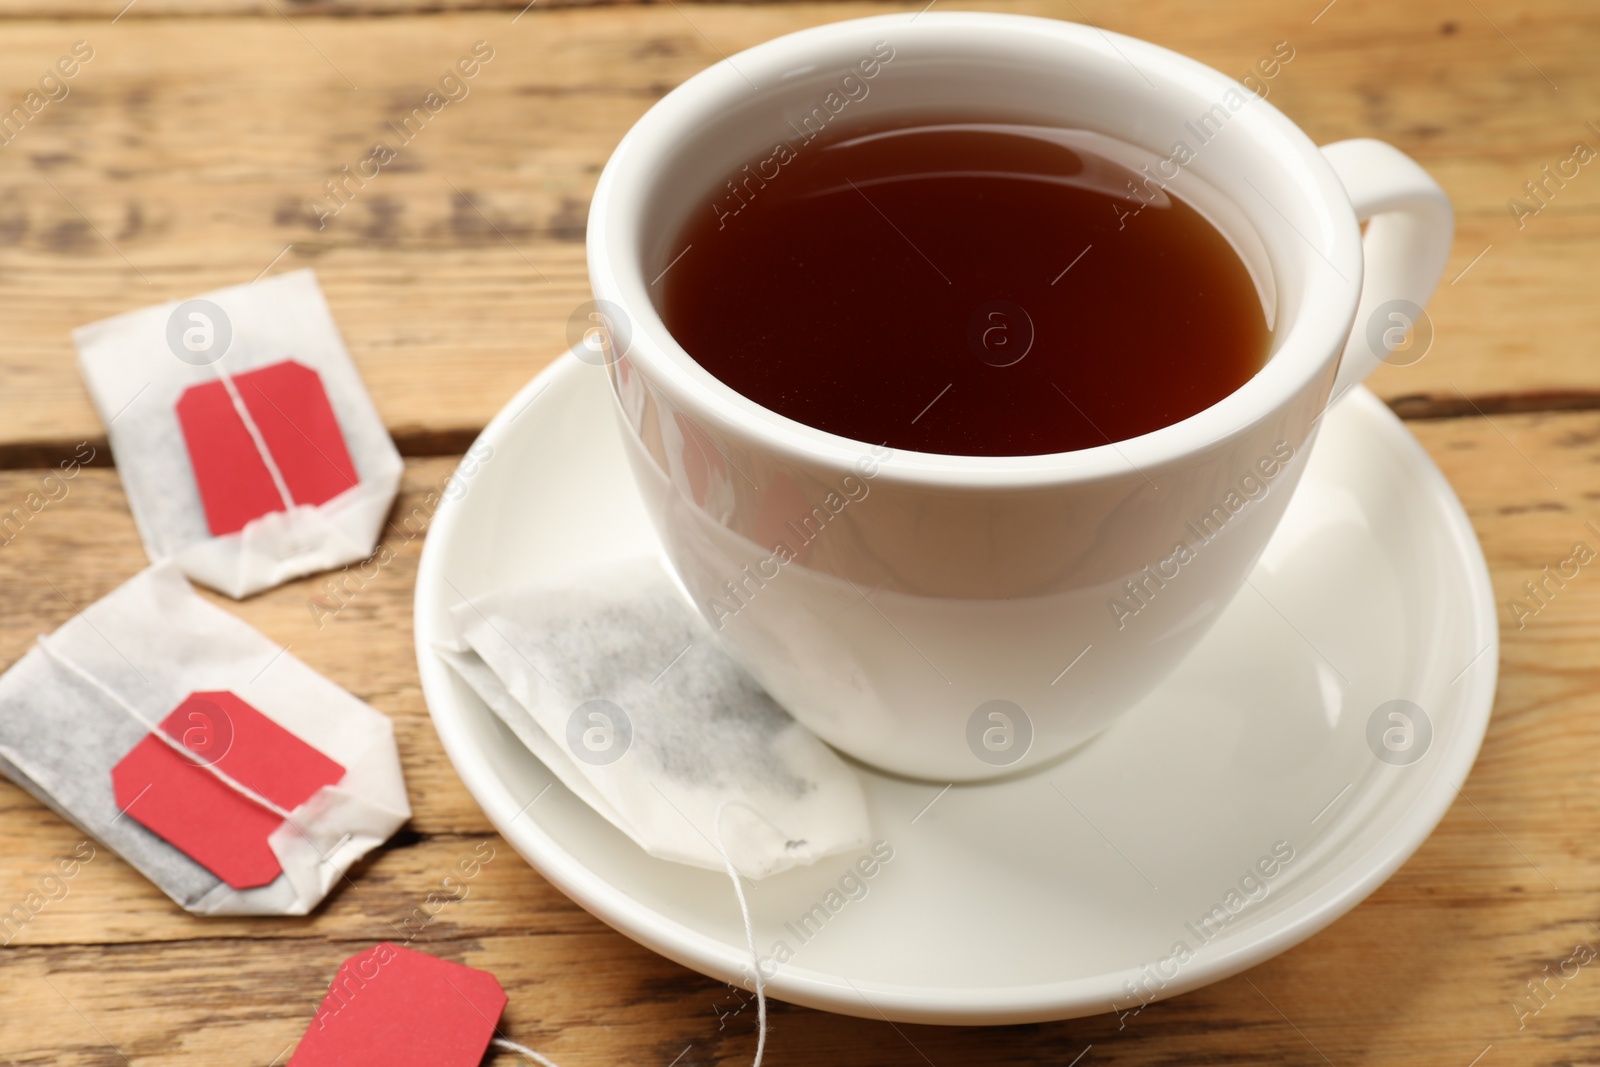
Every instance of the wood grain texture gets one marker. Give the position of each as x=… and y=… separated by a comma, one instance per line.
x=1424, y=972
x=182, y=160
x=187, y=150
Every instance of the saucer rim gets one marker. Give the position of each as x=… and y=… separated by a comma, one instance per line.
x=1358, y=877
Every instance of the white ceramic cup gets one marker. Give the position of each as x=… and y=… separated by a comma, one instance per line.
x=953, y=617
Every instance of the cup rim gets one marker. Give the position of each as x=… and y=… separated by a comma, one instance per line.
x=1314, y=339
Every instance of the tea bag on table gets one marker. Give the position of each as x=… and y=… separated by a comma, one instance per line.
x=230, y=774
x=249, y=449
x=617, y=686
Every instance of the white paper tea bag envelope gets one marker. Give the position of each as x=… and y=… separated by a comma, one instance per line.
x=248, y=446
x=164, y=727
x=615, y=683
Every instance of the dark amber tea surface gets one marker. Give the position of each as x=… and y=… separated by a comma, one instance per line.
x=977, y=289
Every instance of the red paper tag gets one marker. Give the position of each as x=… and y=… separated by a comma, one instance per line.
x=289, y=406
x=394, y=1007
x=192, y=809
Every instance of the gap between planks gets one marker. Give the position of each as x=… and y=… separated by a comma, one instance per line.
x=426, y=444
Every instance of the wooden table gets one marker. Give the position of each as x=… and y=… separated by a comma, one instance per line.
x=183, y=159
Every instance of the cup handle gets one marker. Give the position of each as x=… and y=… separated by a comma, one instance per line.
x=1410, y=227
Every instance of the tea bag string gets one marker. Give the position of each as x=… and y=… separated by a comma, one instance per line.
x=744, y=913
x=256, y=437
x=749, y=934
x=161, y=735
x=512, y=1046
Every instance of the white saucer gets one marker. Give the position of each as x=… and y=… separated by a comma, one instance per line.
x=1046, y=896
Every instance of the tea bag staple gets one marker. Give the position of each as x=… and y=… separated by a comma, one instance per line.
x=85, y=697
x=248, y=446
x=615, y=683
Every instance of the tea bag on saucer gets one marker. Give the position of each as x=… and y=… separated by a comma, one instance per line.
x=249, y=449
x=230, y=774
x=615, y=684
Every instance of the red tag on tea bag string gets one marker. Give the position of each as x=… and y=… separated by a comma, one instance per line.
x=203, y=816
x=290, y=408
x=394, y=1007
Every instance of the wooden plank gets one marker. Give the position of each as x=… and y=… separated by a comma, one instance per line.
x=1425, y=972
x=446, y=317
x=106, y=10
x=412, y=890
x=453, y=273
